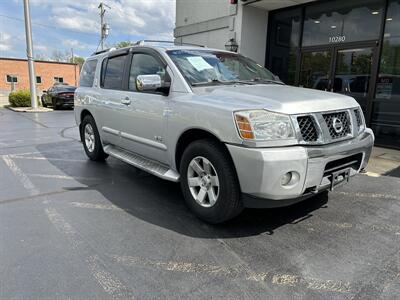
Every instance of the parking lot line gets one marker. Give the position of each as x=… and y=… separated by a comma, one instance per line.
x=370, y=195
x=108, y=281
x=21, y=176
x=96, y=206
x=18, y=156
x=237, y=273
x=62, y=177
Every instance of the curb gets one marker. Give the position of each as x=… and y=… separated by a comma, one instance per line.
x=29, y=109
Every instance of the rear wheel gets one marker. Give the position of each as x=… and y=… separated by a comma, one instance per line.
x=91, y=139
x=44, y=103
x=209, y=182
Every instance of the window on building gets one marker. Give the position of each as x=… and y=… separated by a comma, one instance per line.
x=284, y=41
x=87, y=74
x=339, y=21
x=12, y=78
x=59, y=79
x=386, y=106
x=38, y=79
x=113, y=72
x=144, y=64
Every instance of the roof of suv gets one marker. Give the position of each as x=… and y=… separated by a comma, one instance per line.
x=161, y=46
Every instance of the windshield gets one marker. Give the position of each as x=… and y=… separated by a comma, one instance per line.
x=202, y=67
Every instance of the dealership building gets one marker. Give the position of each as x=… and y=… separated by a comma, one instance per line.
x=343, y=46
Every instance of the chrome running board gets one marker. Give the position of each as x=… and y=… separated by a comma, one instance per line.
x=143, y=163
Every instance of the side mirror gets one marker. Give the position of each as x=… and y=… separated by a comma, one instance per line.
x=148, y=83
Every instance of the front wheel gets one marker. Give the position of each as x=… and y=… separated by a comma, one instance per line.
x=91, y=139
x=209, y=182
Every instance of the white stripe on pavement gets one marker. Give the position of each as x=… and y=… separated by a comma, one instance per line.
x=21, y=176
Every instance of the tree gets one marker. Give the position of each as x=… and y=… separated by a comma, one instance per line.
x=78, y=60
x=60, y=56
x=123, y=44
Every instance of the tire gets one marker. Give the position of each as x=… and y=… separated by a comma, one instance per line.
x=91, y=139
x=55, y=106
x=226, y=203
x=44, y=103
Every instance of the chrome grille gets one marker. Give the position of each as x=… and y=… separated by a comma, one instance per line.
x=308, y=129
x=338, y=124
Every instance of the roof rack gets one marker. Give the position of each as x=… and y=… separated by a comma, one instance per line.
x=104, y=51
x=143, y=42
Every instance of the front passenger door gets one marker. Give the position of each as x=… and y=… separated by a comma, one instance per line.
x=143, y=123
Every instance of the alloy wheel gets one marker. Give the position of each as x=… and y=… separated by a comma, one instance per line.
x=203, y=181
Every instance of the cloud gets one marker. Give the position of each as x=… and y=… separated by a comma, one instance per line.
x=73, y=43
x=5, y=42
x=143, y=18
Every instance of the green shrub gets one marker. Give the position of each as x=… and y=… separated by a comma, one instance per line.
x=20, y=98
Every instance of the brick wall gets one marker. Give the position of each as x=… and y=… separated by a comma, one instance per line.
x=47, y=71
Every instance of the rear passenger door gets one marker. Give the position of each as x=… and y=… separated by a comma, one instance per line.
x=143, y=123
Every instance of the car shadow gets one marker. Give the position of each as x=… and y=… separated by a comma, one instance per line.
x=393, y=173
x=161, y=202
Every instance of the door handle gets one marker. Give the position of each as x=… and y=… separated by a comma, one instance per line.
x=126, y=101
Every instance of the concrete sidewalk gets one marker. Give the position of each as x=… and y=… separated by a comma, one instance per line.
x=384, y=161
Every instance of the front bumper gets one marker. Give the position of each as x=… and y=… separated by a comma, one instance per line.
x=260, y=170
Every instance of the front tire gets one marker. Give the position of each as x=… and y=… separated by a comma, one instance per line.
x=91, y=139
x=209, y=182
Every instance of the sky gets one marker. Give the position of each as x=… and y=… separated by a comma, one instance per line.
x=59, y=25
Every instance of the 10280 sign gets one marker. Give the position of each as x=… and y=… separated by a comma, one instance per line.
x=337, y=39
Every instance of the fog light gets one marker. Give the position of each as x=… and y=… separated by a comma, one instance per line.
x=285, y=179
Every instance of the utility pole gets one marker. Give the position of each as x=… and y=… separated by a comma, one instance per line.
x=72, y=55
x=29, y=52
x=104, y=28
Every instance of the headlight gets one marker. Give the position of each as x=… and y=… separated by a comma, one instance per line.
x=263, y=125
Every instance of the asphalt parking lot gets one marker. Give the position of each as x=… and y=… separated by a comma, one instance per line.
x=74, y=229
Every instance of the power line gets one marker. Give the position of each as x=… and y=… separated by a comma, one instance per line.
x=44, y=25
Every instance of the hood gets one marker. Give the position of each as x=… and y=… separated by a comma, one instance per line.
x=274, y=97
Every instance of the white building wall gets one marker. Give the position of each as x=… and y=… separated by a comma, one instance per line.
x=195, y=11
x=213, y=22
x=252, y=39
x=206, y=22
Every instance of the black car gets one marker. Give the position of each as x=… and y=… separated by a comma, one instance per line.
x=59, y=96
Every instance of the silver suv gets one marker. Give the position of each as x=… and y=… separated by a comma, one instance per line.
x=223, y=126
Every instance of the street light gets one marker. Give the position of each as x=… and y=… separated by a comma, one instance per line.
x=232, y=45
x=29, y=52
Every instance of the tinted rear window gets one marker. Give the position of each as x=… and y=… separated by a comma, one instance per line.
x=87, y=74
x=66, y=88
x=113, y=73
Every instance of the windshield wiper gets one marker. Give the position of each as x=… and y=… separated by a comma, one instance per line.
x=258, y=79
x=217, y=81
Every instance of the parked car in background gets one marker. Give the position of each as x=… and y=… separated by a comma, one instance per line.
x=221, y=125
x=59, y=95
